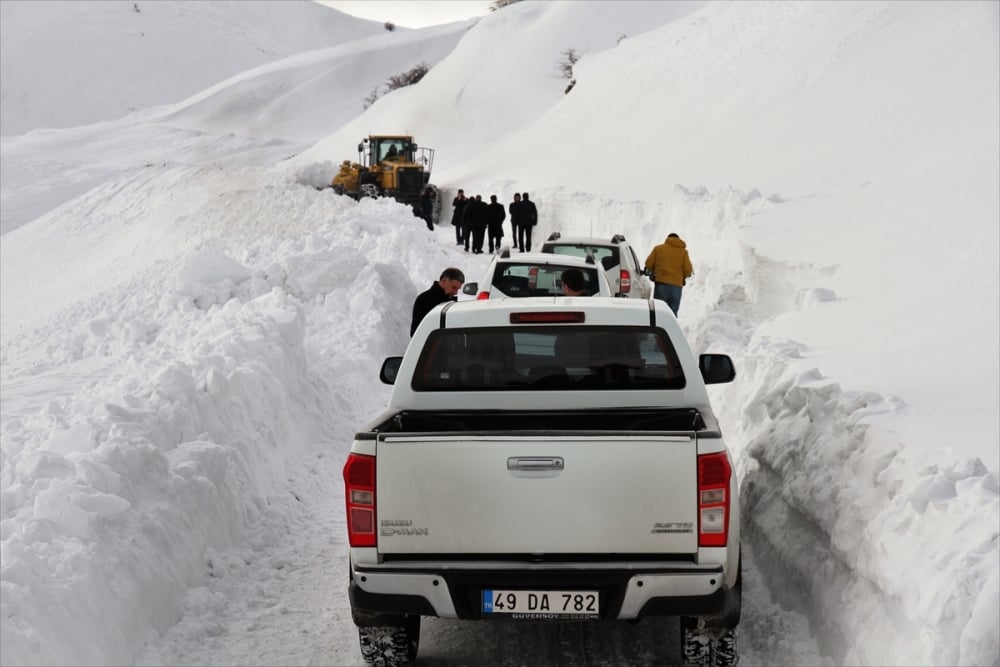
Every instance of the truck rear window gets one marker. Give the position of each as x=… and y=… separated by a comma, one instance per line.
x=548, y=358
x=527, y=279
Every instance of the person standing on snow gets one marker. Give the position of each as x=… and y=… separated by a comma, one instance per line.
x=529, y=218
x=495, y=228
x=670, y=267
x=445, y=289
x=456, y=217
x=515, y=221
x=477, y=218
x=427, y=208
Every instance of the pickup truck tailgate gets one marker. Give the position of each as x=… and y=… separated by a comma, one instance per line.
x=590, y=495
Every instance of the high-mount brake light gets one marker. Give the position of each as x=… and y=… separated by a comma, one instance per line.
x=359, y=491
x=714, y=473
x=626, y=281
x=547, y=317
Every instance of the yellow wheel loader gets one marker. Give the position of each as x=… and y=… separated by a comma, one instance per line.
x=389, y=165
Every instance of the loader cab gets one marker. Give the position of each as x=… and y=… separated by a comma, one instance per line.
x=395, y=149
x=377, y=150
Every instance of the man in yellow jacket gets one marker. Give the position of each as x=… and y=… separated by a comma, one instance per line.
x=670, y=267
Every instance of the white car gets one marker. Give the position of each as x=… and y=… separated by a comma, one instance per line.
x=534, y=274
x=625, y=273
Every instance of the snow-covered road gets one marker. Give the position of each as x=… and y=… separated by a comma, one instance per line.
x=280, y=598
x=283, y=601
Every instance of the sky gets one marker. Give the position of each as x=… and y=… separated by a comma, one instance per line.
x=191, y=325
x=413, y=13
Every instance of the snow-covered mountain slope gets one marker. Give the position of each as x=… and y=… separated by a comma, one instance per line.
x=259, y=116
x=75, y=62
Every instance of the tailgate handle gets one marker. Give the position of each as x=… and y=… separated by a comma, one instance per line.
x=535, y=463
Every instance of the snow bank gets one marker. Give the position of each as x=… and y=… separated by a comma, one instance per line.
x=172, y=416
x=846, y=518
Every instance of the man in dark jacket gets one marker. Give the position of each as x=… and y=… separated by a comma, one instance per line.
x=529, y=218
x=445, y=289
x=456, y=217
x=477, y=218
x=515, y=222
x=496, y=218
x=427, y=208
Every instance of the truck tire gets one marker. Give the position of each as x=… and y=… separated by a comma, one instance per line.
x=724, y=648
x=388, y=645
x=707, y=647
x=696, y=646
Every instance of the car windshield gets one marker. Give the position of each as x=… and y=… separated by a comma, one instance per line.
x=606, y=256
x=543, y=357
x=516, y=279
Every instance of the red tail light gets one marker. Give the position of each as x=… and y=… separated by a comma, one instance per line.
x=359, y=489
x=482, y=296
x=626, y=281
x=714, y=473
x=533, y=277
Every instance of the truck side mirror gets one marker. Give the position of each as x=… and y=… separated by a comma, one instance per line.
x=716, y=368
x=390, y=369
x=470, y=288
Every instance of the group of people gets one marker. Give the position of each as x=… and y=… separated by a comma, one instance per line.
x=475, y=221
x=669, y=264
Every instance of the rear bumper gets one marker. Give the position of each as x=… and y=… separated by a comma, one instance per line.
x=625, y=593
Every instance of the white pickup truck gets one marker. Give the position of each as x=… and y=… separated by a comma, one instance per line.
x=545, y=458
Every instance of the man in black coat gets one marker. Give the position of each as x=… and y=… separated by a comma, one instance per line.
x=515, y=222
x=529, y=218
x=496, y=218
x=476, y=220
x=445, y=289
x=456, y=217
x=427, y=208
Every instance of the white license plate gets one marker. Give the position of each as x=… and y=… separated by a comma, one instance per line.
x=550, y=605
